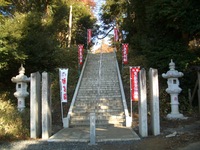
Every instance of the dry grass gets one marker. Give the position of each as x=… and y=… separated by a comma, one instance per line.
x=13, y=125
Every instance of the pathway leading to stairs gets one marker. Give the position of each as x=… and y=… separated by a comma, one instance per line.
x=99, y=92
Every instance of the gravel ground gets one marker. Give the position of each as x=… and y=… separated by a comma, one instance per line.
x=43, y=145
x=186, y=137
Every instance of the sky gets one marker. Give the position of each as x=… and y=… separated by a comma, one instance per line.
x=96, y=11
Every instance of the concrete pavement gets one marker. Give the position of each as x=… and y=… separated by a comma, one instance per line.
x=103, y=134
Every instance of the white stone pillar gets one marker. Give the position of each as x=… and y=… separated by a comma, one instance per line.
x=46, y=107
x=35, y=106
x=92, y=129
x=154, y=101
x=143, y=127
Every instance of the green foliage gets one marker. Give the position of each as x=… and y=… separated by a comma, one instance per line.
x=70, y=61
x=158, y=31
x=36, y=34
x=11, y=34
x=39, y=44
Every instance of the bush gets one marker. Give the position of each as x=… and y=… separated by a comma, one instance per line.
x=13, y=124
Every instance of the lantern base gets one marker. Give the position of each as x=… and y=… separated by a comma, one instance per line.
x=176, y=116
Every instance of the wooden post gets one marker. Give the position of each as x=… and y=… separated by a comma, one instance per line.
x=198, y=75
x=190, y=97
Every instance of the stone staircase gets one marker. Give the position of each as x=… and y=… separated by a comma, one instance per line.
x=99, y=92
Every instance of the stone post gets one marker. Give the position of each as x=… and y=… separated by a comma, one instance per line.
x=92, y=129
x=143, y=128
x=46, y=107
x=35, y=106
x=154, y=101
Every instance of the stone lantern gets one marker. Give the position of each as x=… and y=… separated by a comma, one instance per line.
x=21, y=87
x=173, y=89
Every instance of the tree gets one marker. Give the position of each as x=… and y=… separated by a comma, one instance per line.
x=35, y=34
x=157, y=29
x=113, y=12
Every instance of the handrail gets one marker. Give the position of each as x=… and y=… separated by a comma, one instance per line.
x=128, y=118
x=67, y=119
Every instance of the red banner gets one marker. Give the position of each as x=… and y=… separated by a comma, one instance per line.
x=80, y=54
x=125, y=53
x=89, y=36
x=116, y=37
x=134, y=89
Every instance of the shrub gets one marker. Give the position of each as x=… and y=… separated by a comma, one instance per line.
x=13, y=124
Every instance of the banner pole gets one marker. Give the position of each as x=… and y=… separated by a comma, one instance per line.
x=62, y=111
x=61, y=97
x=79, y=69
x=131, y=96
x=122, y=58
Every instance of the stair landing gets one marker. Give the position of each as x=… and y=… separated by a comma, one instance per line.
x=106, y=134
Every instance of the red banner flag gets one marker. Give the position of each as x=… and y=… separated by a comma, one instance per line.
x=80, y=54
x=89, y=35
x=116, y=37
x=125, y=53
x=134, y=89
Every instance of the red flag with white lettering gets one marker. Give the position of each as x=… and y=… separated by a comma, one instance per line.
x=80, y=53
x=134, y=89
x=125, y=53
x=63, y=75
x=89, y=36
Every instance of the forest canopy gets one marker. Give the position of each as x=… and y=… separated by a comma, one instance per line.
x=35, y=33
x=159, y=30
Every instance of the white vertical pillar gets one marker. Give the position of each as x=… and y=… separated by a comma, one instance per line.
x=35, y=106
x=154, y=101
x=143, y=128
x=92, y=129
x=70, y=26
x=46, y=106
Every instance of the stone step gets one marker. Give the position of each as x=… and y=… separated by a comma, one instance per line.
x=101, y=95
x=98, y=99
x=88, y=104
x=93, y=87
x=99, y=123
x=101, y=88
x=108, y=114
x=95, y=81
x=99, y=107
x=89, y=110
x=99, y=116
x=101, y=92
